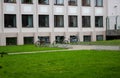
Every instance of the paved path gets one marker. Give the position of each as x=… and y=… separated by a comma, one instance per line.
x=94, y=47
x=75, y=47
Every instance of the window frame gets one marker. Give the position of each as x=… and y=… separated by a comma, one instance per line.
x=28, y=40
x=40, y=17
x=87, y=36
x=9, y=1
x=96, y=23
x=58, y=17
x=97, y=37
x=71, y=21
x=56, y=3
x=26, y=17
x=23, y=2
x=85, y=21
x=85, y=4
x=12, y=41
x=43, y=3
x=8, y=18
x=46, y=39
x=70, y=3
x=97, y=5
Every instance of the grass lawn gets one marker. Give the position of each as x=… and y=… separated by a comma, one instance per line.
x=25, y=48
x=72, y=64
x=109, y=42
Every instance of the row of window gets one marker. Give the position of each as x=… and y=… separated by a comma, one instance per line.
x=98, y=3
x=43, y=21
x=46, y=39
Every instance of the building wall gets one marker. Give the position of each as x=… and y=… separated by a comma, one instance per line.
x=113, y=15
x=51, y=10
x=113, y=7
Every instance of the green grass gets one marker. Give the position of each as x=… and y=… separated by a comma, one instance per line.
x=25, y=48
x=72, y=64
x=109, y=42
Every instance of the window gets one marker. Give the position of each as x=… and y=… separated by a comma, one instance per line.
x=87, y=38
x=43, y=1
x=72, y=21
x=72, y=2
x=11, y=41
x=99, y=37
x=59, y=39
x=73, y=39
x=28, y=40
x=10, y=20
x=59, y=21
x=27, y=20
x=98, y=3
x=10, y=1
x=27, y=1
x=45, y=39
x=43, y=20
x=98, y=21
x=59, y=2
x=85, y=2
x=86, y=21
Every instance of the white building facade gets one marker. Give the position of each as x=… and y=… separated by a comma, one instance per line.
x=26, y=21
x=113, y=20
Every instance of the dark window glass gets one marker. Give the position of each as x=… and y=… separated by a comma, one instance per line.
x=10, y=20
x=10, y=1
x=98, y=21
x=86, y=21
x=43, y=1
x=72, y=2
x=98, y=3
x=87, y=38
x=11, y=41
x=72, y=21
x=85, y=2
x=59, y=2
x=45, y=39
x=99, y=37
x=59, y=21
x=27, y=20
x=28, y=40
x=27, y=1
x=43, y=20
x=59, y=39
x=73, y=39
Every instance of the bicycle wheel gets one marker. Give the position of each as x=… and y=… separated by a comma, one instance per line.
x=37, y=43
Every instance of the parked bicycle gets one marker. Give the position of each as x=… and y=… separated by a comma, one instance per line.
x=41, y=43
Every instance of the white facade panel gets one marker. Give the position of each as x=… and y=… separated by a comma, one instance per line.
x=99, y=11
x=28, y=30
x=72, y=10
x=27, y=9
x=100, y=29
x=59, y=30
x=43, y=9
x=44, y=30
x=73, y=30
x=87, y=29
x=59, y=10
x=87, y=10
x=10, y=8
x=113, y=7
x=0, y=18
x=11, y=30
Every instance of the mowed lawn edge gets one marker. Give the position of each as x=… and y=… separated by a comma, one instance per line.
x=25, y=48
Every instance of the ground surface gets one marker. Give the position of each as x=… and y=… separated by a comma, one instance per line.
x=70, y=64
